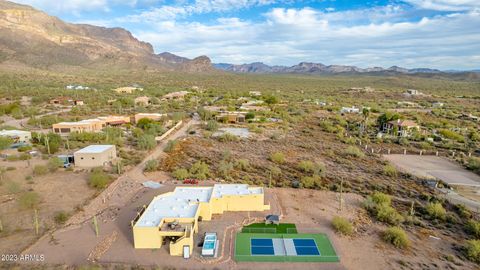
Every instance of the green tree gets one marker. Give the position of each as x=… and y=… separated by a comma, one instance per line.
x=5, y=142
x=54, y=164
x=98, y=179
x=146, y=142
x=180, y=173
x=200, y=170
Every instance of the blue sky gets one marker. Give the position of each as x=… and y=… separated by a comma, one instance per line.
x=443, y=34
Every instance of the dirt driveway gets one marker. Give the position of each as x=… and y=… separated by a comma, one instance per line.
x=434, y=167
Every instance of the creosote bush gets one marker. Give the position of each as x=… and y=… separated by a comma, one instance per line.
x=151, y=165
x=353, y=151
x=397, y=237
x=342, y=225
x=180, y=174
x=472, y=250
x=390, y=170
x=98, y=179
x=278, y=157
x=436, y=211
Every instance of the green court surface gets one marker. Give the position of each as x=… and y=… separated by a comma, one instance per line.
x=244, y=251
x=270, y=228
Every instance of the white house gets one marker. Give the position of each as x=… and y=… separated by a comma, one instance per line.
x=352, y=109
x=18, y=136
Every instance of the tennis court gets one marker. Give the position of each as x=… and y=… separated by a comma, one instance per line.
x=265, y=247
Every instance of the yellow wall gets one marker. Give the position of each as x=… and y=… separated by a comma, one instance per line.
x=148, y=237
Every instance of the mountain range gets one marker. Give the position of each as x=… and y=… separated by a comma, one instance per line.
x=29, y=37
x=318, y=68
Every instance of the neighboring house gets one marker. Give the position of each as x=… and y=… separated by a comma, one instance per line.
x=127, y=89
x=403, y=128
x=438, y=104
x=143, y=101
x=175, y=95
x=78, y=103
x=255, y=93
x=89, y=125
x=114, y=120
x=95, y=156
x=407, y=104
x=352, y=109
x=77, y=87
x=18, y=136
x=153, y=116
x=231, y=117
x=254, y=108
x=175, y=215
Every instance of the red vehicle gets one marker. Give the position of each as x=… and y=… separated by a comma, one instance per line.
x=191, y=181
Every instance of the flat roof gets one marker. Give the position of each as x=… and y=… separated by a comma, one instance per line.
x=183, y=201
x=95, y=148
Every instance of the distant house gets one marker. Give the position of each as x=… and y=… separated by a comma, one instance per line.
x=89, y=125
x=153, y=116
x=114, y=120
x=352, y=109
x=403, y=128
x=143, y=101
x=18, y=136
x=175, y=95
x=438, y=104
x=78, y=103
x=413, y=92
x=77, y=87
x=255, y=93
x=231, y=117
x=407, y=104
x=127, y=89
x=254, y=108
x=470, y=117
x=95, y=156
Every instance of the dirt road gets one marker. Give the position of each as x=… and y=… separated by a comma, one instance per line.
x=21, y=123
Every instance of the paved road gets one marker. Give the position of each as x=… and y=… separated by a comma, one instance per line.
x=456, y=198
x=21, y=123
x=435, y=167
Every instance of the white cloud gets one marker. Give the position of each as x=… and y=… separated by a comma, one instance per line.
x=70, y=6
x=445, y=5
x=288, y=36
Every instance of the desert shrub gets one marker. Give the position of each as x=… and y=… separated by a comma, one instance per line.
x=227, y=137
x=449, y=134
x=463, y=211
x=353, y=151
x=24, y=156
x=29, y=200
x=151, y=165
x=311, y=167
x=170, y=146
x=397, y=237
x=98, y=179
x=242, y=164
x=381, y=198
x=249, y=115
x=40, y=170
x=342, y=225
x=146, y=142
x=473, y=227
x=311, y=181
x=474, y=164
x=390, y=170
x=436, y=211
x=277, y=157
x=388, y=214
x=60, y=217
x=472, y=250
x=5, y=142
x=54, y=164
x=24, y=148
x=212, y=126
x=200, y=170
x=13, y=187
x=225, y=168
x=180, y=173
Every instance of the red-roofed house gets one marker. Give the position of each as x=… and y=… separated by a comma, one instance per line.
x=402, y=128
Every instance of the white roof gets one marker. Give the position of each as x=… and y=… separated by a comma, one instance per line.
x=95, y=148
x=14, y=132
x=183, y=202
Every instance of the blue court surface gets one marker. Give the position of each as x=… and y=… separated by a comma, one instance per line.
x=284, y=246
